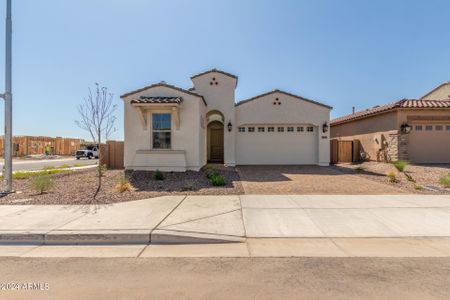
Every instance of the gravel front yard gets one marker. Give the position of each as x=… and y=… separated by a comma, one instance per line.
x=288, y=180
x=79, y=186
x=426, y=177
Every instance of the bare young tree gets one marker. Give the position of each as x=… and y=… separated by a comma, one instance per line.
x=97, y=117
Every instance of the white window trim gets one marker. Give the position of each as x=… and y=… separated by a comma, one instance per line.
x=151, y=129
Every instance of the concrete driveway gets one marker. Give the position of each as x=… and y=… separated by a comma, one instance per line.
x=354, y=216
x=278, y=180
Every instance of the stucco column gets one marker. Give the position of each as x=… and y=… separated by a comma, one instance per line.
x=230, y=142
x=323, y=146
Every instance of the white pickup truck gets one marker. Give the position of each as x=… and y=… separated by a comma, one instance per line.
x=89, y=152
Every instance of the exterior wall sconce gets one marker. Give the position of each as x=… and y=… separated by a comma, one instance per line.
x=325, y=127
x=405, y=128
x=230, y=126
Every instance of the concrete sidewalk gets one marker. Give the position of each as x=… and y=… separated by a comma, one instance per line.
x=218, y=219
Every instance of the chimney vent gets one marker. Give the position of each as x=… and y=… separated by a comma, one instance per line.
x=353, y=109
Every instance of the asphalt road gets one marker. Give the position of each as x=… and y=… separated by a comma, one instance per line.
x=228, y=278
x=29, y=165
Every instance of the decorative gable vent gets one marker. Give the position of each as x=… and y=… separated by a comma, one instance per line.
x=213, y=81
x=277, y=101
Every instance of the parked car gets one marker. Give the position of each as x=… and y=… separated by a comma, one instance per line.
x=89, y=152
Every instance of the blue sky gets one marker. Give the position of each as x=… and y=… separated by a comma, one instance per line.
x=342, y=53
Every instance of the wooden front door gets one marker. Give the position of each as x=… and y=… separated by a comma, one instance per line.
x=216, y=143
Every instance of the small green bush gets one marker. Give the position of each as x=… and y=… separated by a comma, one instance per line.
x=158, y=175
x=78, y=165
x=400, y=165
x=218, y=180
x=445, y=180
x=64, y=166
x=392, y=177
x=211, y=172
x=124, y=185
x=42, y=183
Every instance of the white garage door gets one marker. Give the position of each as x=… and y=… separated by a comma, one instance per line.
x=277, y=145
x=429, y=143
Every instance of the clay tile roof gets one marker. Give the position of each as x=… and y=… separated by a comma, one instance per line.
x=164, y=100
x=408, y=103
x=404, y=103
x=162, y=83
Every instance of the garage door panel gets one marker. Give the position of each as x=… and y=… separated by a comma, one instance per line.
x=429, y=146
x=276, y=148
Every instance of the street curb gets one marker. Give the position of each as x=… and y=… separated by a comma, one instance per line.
x=178, y=237
x=133, y=237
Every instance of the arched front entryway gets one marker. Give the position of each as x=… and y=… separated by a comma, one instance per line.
x=215, y=142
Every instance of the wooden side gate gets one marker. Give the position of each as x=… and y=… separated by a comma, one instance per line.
x=111, y=154
x=344, y=151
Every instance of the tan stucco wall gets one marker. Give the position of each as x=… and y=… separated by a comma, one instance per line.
x=440, y=94
x=220, y=97
x=374, y=124
x=187, y=137
x=292, y=111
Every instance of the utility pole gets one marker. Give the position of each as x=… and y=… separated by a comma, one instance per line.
x=7, y=96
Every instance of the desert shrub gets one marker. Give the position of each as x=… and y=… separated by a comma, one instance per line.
x=392, y=177
x=102, y=170
x=78, y=165
x=123, y=185
x=158, y=175
x=418, y=187
x=409, y=177
x=400, y=165
x=42, y=183
x=445, y=180
x=211, y=172
x=64, y=166
x=188, y=185
x=218, y=180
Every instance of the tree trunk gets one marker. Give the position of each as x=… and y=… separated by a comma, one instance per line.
x=99, y=170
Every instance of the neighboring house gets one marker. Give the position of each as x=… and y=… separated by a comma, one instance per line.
x=173, y=129
x=417, y=130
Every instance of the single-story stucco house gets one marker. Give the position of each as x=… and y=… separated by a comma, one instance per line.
x=417, y=130
x=174, y=129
